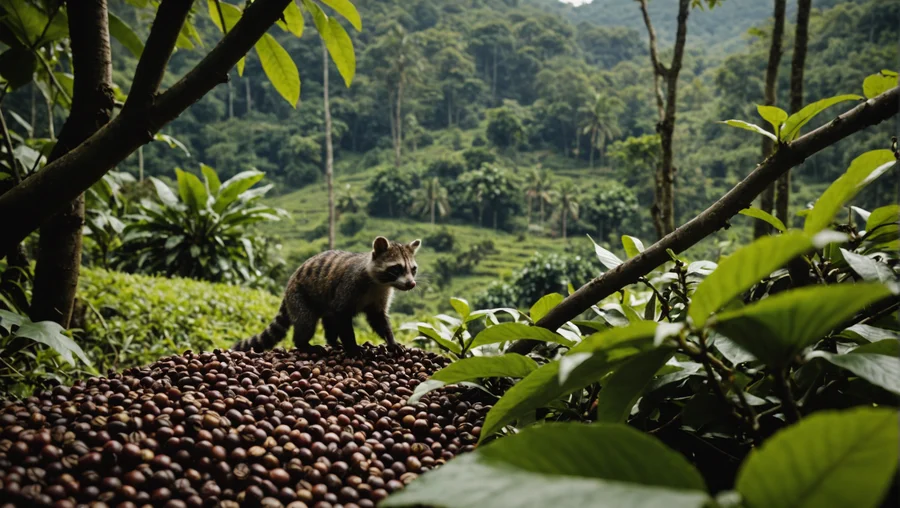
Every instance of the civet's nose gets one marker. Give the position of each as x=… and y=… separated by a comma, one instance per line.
x=411, y=284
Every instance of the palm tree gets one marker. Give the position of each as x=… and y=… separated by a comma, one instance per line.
x=602, y=122
x=537, y=188
x=567, y=195
x=432, y=196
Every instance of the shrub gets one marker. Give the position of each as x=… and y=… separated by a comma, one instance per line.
x=391, y=196
x=504, y=128
x=477, y=156
x=541, y=275
x=352, y=223
x=441, y=240
x=447, y=166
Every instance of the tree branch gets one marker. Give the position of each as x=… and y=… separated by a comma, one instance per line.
x=38, y=197
x=659, y=70
x=13, y=163
x=871, y=112
x=152, y=66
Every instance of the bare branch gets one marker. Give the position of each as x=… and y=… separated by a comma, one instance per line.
x=869, y=113
x=659, y=69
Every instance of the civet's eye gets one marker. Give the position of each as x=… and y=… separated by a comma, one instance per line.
x=395, y=270
x=415, y=269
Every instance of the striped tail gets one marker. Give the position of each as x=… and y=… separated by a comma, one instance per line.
x=272, y=335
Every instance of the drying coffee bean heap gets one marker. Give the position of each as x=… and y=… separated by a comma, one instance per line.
x=280, y=428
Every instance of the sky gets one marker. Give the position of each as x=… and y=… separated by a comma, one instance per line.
x=575, y=2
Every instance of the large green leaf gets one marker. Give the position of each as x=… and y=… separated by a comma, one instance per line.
x=563, y=465
x=165, y=194
x=774, y=115
x=212, y=179
x=505, y=332
x=877, y=84
x=794, y=122
x=606, y=257
x=346, y=9
x=830, y=459
x=231, y=14
x=543, y=306
x=762, y=215
x=862, y=170
x=31, y=25
x=741, y=270
x=191, y=189
x=879, y=369
x=750, y=127
x=882, y=223
x=280, y=69
x=235, y=186
x=780, y=326
x=639, y=334
x=51, y=334
x=125, y=35
x=867, y=268
x=621, y=390
x=337, y=41
x=461, y=306
x=17, y=66
x=293, y=19
x=476, y=367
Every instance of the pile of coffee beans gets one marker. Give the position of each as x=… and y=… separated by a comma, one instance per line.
x=227, y=428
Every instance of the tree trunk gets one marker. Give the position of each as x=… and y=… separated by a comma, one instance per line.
x=329, y=149
x=565, y=215
x=230, y=100
x=33, y=109
x=542, y=211
x=432, y=211
x=593, y=140
x=450, y=109
x=51, y=128
x=767, y=200
x=141, y=164
x=59, y=254
x=801, y=35
x=494, y=76
x=392, y=120
x=663, y=209
x=495, y=220
x=529, y=200
x=249, y=99
x=399, y=123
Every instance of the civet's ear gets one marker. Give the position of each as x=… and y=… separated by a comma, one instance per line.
x=414, y=245
x=380, y=245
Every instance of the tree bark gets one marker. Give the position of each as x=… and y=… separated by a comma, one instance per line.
x=249, y=99
x=565, y=214
x=59, y=247
x=433, y=203
x=715, y=217
x=767, y=200
x=593, y=141
x=663, y=209
x=140, y=164
x=230, y=99
x=798, y=62
x=399, y=123
x=144, y=113
x=329, y=150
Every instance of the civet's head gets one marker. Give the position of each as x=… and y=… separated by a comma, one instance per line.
x=393, y=263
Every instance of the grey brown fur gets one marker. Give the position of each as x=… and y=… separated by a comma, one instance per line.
x=335, y=286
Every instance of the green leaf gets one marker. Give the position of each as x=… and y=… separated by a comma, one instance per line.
x=862, y=170
x=606, y=257
x=762, y=215
x=750, y=127
x=882, y=223
x=293, y=19
x=794, y=122
x=829, y=459
x=172, y=142
x=877, y=84
x=878, y=369
x=51, y=334
x=235, y=186
x=562, y=465
x=741, y=270
x=632, y=245
x=543, y=306
x=191, y=189
x=232, y=15
x=621, y=390
x=780, y=326
x=165, y=194
x=506, y=332
x=477, y=367
x=889, y=347
x=867, y=268
x=340, y=47
x=461, y=307
x=125, y=35
x=9, y=319
x=866, y=333
x=774, y=115
x=212, y=178
x=281, y=70
x=17, y=66
x=346, y=9
x=639, y=335
x=29, y=23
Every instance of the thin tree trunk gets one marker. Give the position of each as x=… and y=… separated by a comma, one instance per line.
x=51, y=128
x=593, y=140
x=249, y=99
x=329, y=149
x=450, y=109
x=399, y=123
x=529, y=200
x=767, y=200
x=542, y=211
x=663, y=209
x=59, y=254
x=230, y=100
x=33, y=109
x=392, y=119
x=141, y=163
x=494, y=76
x=432, y=211
x=565, y=215
x=801, y=36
